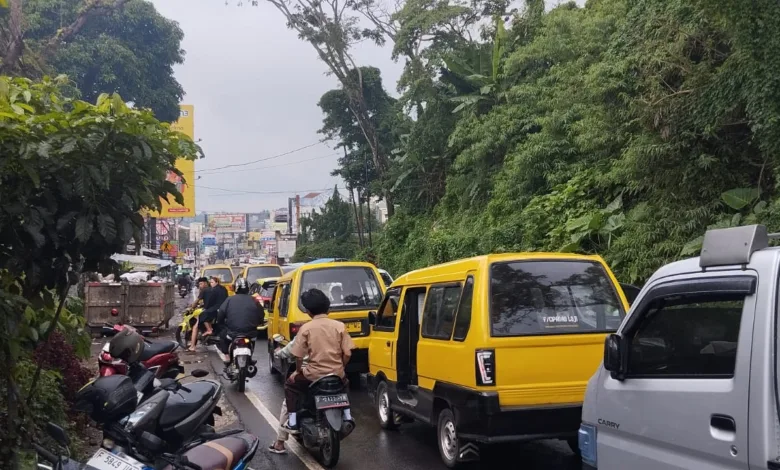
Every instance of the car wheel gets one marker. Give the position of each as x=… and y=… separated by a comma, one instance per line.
x=387, y=417
x=447, y=438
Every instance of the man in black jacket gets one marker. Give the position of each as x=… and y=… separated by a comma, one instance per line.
x=238, y=315
x=217, y=295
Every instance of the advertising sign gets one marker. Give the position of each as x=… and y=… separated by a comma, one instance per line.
x=209, y=239
x=186, y=186
x=279, y=227
x=226, y=223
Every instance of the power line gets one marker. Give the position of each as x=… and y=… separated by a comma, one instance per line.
x=319, y=142
x=274, y=166
x=240, y=191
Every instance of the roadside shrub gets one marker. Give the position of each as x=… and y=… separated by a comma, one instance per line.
x=58, y=355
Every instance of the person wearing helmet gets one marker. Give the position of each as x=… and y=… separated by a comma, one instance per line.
x=238, y=315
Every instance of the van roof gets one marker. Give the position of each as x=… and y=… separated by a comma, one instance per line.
x=337, y=264
x=441, y=272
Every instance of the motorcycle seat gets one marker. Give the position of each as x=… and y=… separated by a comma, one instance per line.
x=330, y=383
x=182, y=403
x=220, y=453
x=153, y=349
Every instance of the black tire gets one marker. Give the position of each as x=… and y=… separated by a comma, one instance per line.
x=447, y=439
x=354, y=380
x=182, y=338
x=241, y=379
x=574, y=445
x=387, y=417
x=330, y=450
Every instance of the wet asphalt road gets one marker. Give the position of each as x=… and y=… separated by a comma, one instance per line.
x=411, y=447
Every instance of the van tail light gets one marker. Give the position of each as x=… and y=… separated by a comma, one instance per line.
x=294, y=329
x=114, y=312
x=486, y=367
x=586, y=438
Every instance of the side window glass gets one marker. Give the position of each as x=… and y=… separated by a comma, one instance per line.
x=687, y=336
x=284, y=302
x=439, y=312
x=463, y=318
x=386, y=316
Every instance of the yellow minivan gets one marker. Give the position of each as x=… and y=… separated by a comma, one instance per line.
x=253, y=272
x=223, y=272
x=354, y=289
x=491, y=349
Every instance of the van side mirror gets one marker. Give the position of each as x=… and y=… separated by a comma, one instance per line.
x=631, y=292
x=613, y=356
x=372, y=318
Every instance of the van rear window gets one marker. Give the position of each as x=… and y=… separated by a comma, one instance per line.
x=552, y=297
x=260, y=272
x=224, y=274
x=348, y=288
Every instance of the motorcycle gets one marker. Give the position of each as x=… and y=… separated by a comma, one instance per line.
x=322, y=422
x=197, y=456
x=243, y=366
x=183, y=290
x=159, y=357
x=184, y=414
x=184, y=330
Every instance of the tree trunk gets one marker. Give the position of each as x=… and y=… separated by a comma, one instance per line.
x=16, y=39
x=358, y=221
x=360, y=202
x=92, y=7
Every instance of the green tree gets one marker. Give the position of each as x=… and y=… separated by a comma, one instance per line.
x=122, y=46
x=328, y=233
x=73, y=180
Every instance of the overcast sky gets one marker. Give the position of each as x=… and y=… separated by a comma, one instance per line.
x=255, y=88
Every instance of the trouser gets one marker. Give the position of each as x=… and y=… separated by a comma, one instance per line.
x=295, y=391
x=282, y=435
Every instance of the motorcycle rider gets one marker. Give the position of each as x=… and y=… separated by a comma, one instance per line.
x=217, y=295
x=238, y=315
x=329, y=348
x=204, y=290
x=185, y=280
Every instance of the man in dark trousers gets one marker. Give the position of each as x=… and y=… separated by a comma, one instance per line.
x=238, y=315
x=327, y=344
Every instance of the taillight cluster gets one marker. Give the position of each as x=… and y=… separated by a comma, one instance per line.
x=294, y=329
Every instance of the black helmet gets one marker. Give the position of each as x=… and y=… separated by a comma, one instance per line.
x=127, y=345
x=241, y=286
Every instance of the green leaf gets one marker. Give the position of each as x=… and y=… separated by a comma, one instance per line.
x=65, y=220
x=579, y=223
x=614, y=222
x=27, y=96
x=614, y=205
x=739, y=198
x=83, y=228
x=17, y=109
x=759, y=207
x=107, y=227
x=569, y=248
x=736, y=220
x=693, y=247
x=36, y=180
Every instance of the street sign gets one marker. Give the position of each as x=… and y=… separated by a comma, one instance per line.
x=166, y=247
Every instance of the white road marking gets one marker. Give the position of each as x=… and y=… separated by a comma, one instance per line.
x=291, y=443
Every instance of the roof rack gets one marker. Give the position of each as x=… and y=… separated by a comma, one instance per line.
x=733, y=246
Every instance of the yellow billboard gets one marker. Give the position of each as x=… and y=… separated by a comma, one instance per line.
x=185, y=125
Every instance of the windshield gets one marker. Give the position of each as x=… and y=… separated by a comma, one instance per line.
x=224, y=274
x=552, y=297
x=260, y=272
x=348, y=288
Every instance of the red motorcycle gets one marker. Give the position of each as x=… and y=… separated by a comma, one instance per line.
x=159, y=357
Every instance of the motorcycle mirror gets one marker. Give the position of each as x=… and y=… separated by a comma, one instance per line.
x=58, y=434
x=198, y=373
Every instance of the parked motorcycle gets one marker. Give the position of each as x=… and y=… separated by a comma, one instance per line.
x=186, y=413
x=322, y=422
x=206, y=455
x=243, y=366
x=159, y=357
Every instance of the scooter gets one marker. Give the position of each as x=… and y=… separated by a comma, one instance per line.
x=243, y=366
x=184, y=330
x=322, y=422
x=198, y=456
x=185, y=415
x=159, y=357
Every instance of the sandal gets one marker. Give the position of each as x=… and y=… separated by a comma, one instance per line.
x=272, y=449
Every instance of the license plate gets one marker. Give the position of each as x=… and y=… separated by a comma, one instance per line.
x=331, y=401
x=105, y=460
x=354, y=327
x=242, y=352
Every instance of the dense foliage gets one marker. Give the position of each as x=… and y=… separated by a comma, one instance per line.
x=118, y=46
x=73, y=179
x=623, y=128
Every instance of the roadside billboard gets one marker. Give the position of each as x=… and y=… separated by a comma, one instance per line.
x=185, y=125
x=209, y=239
x=279, y=227
x=226, y=223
